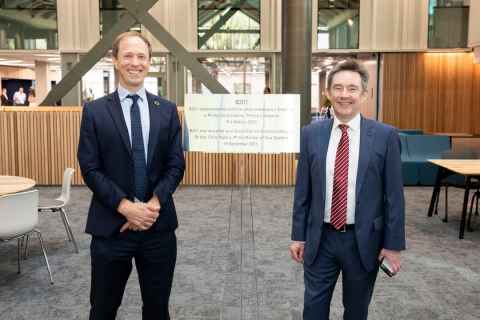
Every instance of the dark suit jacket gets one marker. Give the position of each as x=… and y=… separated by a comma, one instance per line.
x=105, y=158
x=379, y=208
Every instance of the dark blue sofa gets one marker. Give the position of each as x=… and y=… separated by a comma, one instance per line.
x=416, y=150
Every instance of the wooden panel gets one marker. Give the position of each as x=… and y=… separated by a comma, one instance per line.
x=436, y=92
x=393, y=25
x=41, y=142
x=8, y=154
x=47, y=144
x=78, y=24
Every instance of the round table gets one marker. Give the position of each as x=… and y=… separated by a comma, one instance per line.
x=12, y=184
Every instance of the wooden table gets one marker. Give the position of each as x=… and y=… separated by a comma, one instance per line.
x=11, y=184
x=468, y=168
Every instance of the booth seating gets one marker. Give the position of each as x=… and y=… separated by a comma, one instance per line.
x=416, y=150
x=411, y=131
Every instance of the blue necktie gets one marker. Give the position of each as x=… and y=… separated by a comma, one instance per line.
x=138, y=150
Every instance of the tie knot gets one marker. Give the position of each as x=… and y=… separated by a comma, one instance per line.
x=134, y=97
x=343, y=127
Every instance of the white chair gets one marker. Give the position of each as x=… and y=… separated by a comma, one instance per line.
x=19, y=217
x=58, y=205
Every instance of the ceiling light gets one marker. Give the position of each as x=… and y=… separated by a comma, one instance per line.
x=13, y=61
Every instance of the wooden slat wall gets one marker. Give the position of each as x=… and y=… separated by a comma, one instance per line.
x=40, y=143
x=8, y=154
x=436, y=92
x=47, y=143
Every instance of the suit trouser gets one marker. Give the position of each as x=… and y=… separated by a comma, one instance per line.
x=155, y=255
x=338, y=252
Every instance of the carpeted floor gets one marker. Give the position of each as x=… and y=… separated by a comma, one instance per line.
x=233, y=263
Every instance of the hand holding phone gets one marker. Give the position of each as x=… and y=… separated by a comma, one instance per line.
x=385, y=266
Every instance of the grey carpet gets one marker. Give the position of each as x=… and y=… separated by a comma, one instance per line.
x=233, y=263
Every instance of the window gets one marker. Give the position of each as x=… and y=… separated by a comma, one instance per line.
x=338, y=24
x=448, y=23
x=229, y=24
x=110, y=12
x=28, y=25
x=239, y=75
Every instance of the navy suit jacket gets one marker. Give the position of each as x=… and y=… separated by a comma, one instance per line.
x=106, y=163
x=380, y=204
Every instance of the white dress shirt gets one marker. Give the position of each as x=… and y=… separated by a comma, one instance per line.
x=354, y=151
x=19, y=98
x=144, y=113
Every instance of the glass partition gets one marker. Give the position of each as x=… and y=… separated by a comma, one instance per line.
x=448, y=23
x=338, y=24
x=229, y=24
x=28, y=25
x=110, y=12
x=239, y=75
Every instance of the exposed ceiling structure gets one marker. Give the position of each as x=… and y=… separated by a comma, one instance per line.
x=332, y=13
x=211, y=8
x=36, y=13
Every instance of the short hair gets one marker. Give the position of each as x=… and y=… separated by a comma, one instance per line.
x=349, y=65
x=128, y=34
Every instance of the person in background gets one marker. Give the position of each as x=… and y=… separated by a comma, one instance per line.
x=5, y=100
x=326, y=108
x=19, y=97
x=32, y=98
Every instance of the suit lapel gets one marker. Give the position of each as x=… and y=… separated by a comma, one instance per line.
x=366, y=138
x=115, y=109
x=322, y=148
x=155, y=110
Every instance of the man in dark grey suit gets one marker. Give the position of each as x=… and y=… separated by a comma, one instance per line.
x=348, y=211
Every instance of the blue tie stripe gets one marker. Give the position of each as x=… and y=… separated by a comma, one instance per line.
x=138, y=150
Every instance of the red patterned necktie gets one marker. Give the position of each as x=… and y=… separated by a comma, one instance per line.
x=338, y=217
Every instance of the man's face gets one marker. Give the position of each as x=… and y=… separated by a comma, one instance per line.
x=21, y=90
x=132, y=62
x=346, y=94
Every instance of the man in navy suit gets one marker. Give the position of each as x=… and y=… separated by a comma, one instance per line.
x=348, y=211
x=131, y=157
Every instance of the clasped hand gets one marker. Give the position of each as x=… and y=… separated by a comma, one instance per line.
x=140, y=216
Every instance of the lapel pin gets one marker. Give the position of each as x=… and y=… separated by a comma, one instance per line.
x=157, y=103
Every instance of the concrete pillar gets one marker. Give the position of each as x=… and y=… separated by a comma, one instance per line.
x=276, y=76
x=41, y=82
x=175, y=81
x=74, y=96
x=297, y=52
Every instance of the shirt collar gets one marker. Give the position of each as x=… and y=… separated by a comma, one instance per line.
x=353, y=124
x=123, y=93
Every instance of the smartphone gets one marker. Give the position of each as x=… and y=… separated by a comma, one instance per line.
x=385, y=266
